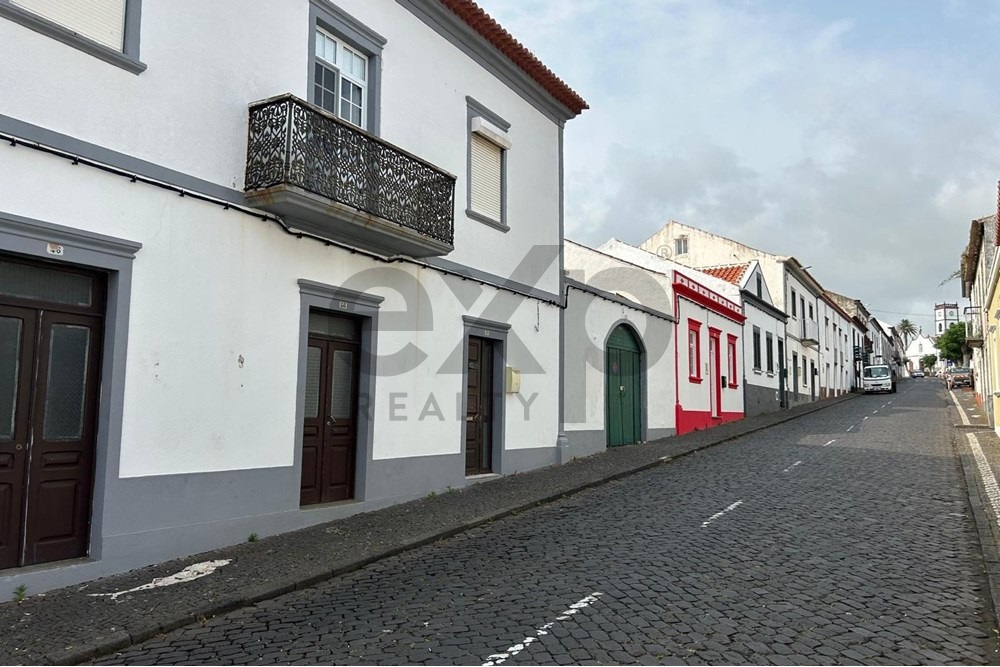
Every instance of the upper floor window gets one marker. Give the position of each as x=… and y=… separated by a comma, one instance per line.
x=341, y=79
x=345, y=66
x=760, y=287
x=811, y=312
x=793, y=303
x=488, y=145
x=106, y=29
x=681, y=245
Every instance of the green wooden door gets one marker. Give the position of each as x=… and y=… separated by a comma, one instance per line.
x=623, y=395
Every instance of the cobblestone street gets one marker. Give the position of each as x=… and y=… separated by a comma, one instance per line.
x=844, y=536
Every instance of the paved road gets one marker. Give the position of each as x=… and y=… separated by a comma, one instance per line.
x=841, y=537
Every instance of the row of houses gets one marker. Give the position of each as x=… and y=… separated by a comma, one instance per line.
x=978, y=272
x=313, y=263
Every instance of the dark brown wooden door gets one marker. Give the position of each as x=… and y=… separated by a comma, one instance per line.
x=49, y=390
x=17, y=351
x=329, y=433
x=479, y=408
x=64, y=411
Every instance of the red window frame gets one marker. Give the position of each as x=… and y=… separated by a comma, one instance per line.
x=731, y=344
x=694, y=327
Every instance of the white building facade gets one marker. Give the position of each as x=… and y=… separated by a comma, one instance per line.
x=619, y=368
x=275, y=278
x=794, y=291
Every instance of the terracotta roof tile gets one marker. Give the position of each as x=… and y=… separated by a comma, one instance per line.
x=477, y=19
x=732, y=273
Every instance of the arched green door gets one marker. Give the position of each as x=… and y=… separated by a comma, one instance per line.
x=623, y=394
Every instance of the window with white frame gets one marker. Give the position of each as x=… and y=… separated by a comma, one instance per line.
x=489, y=142
x=681, y=245
x=694, y=350
x=340, y=80
x=345, y=66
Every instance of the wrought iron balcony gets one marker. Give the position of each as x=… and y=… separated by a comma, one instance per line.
x=330, y=178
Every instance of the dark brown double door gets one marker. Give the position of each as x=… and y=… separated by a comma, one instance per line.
x=50, y=343
x=329, y=430
x=479, y=407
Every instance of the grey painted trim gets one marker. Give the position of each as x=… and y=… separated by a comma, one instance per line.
x=357, y=35
x=337, y=300
x=128, y=163
x=561, y=442
x=485, y=324
x=496, y=331
x=31, y=238
x=614, y=298
x=334, y=293
x=447, y=24
x=491, y=278
x=472, y=110
x=486, y=220
x=660, y=433
x=521, y=460
x=69, y=144
x=760, y=304
x=127, y=59
x=481, y=109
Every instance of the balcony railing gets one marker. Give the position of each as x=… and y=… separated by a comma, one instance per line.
x=974, y=332
x=809, y=333
x=301, y=158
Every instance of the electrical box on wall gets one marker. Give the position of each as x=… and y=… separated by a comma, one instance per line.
x=512, y=380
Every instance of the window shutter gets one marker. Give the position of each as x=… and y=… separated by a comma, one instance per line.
x=100, y=20
x=486, y=170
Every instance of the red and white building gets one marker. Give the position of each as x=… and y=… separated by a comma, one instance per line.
x=708, y=353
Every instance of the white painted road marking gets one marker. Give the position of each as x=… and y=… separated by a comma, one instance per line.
x=961, y=412
x=190, y=573
x=500, y=658
x=718, y=514
x=874, y=412
x=850, y=427
x=797, y=463
x=830, y=443
x=989, y=480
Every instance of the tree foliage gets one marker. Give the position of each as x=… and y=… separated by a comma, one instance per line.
x=951, y=344
x=906, y=329
x=928, y=361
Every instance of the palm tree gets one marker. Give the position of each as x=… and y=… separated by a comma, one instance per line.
x=907, y=329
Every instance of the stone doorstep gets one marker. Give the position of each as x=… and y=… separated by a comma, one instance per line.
x=144, y=625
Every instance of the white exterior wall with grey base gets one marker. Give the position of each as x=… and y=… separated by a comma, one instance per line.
x=203, y=446
x=590, y=319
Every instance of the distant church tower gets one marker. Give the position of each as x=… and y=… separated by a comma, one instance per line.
x=945, y=314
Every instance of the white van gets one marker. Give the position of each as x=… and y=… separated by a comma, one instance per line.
x=878, y=378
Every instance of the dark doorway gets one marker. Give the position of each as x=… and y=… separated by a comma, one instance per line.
x=51, y=322
x=329, y=429
x=623, y=391
x=795, y=374
x=782, y=376
x=479, y=407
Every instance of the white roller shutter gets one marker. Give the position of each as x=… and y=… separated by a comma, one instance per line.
x=487, y=160
x=100, y=20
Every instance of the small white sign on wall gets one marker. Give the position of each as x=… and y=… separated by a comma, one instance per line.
x=54, y=249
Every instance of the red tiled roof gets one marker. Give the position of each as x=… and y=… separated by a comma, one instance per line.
x=732, y=273
x=494, y=33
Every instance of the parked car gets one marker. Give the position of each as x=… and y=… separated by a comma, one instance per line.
x=958, y=376
x=917, y=374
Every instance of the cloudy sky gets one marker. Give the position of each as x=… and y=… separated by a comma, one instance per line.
x=860, y=136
